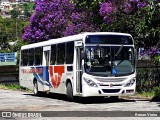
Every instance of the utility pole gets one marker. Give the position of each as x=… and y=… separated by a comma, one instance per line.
x=16, y=25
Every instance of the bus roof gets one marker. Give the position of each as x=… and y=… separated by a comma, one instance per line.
x=68, y=39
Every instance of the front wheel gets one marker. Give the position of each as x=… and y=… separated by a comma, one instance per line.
x=69, y=92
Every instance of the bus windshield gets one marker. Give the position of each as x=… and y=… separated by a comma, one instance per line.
x=109, y=60
x=109, y=39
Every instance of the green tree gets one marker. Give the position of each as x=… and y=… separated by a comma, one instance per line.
x=3, y=41
x=29, y=6
x=28, y=9
x=27, y=14
x=3, y=36
x=91, y=5
x=139, y=18
x=14, y=13
x=11, y=31
x=148, y=28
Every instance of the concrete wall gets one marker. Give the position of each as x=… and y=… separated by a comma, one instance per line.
x=9, y=75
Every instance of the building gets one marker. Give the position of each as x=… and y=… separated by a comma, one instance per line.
x=24, y=1
x=5, y=6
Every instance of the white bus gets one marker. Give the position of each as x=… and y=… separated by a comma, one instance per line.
x=87, y=64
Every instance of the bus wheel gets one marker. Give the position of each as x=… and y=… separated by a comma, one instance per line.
x=35, y=89
x=69, y=92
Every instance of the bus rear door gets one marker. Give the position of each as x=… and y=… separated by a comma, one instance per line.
x=46, y=58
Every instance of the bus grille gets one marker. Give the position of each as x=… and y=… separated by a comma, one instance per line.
x=110, y=79
x=110, y=90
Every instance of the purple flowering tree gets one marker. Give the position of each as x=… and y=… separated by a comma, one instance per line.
x=80, y=21
x=57, y=18
x=137, y=17
x=151, y=54
x=112, y=9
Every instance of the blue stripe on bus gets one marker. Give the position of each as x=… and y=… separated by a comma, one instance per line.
x=42, y=78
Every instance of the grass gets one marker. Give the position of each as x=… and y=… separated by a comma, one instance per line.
x=13, y=87
x=145, y=94
x=154, y=95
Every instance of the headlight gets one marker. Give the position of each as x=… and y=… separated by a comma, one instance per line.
x=130, y=83
x=90, y=82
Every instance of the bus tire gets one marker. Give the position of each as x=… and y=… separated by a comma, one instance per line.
x=35, y=89
x=69, y=92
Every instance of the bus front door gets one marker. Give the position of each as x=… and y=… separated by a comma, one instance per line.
x=78, y=70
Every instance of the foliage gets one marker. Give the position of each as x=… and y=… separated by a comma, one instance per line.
x=86, y=3
x=122, y=16
x=27, y=14
x=93, y=6
x=145, y=94
x=27, y=9
x=16, y=48
x=137, y=17
x=13, y=87
x=157, y=92
x=65, y=20
x=3, y=34
x=78, y=24
x=140, y=18
x=153, y=54
x=8, y=33
x=148, y=28
x=157, y=59
x=112, y=9
x=14, y=13
x=147, y=79
x=29, y=6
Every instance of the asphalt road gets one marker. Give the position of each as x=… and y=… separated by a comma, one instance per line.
x=26, y=104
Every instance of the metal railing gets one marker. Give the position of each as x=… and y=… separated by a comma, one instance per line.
x=8, y=58
x=147, y=79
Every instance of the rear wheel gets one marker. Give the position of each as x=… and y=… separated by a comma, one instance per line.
x=69, y=92
x=35, y=89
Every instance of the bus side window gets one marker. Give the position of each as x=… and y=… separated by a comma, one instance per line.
x=53, y=55
x=31, y=57
x=41, y=55
x=25, y=57
x=69, y=52
x=38, y=56
x=60, y=53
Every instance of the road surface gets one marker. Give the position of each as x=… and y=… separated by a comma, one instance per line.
x=88, y=108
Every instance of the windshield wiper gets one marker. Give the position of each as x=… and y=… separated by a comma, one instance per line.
x=119, y=51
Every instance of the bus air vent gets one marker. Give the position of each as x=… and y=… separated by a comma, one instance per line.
x=110, y=90
x=110, y=79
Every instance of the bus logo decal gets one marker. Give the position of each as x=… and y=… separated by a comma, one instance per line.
x=56, y=79
x=32, y=70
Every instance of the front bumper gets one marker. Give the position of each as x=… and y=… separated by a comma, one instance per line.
x=88, y=91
